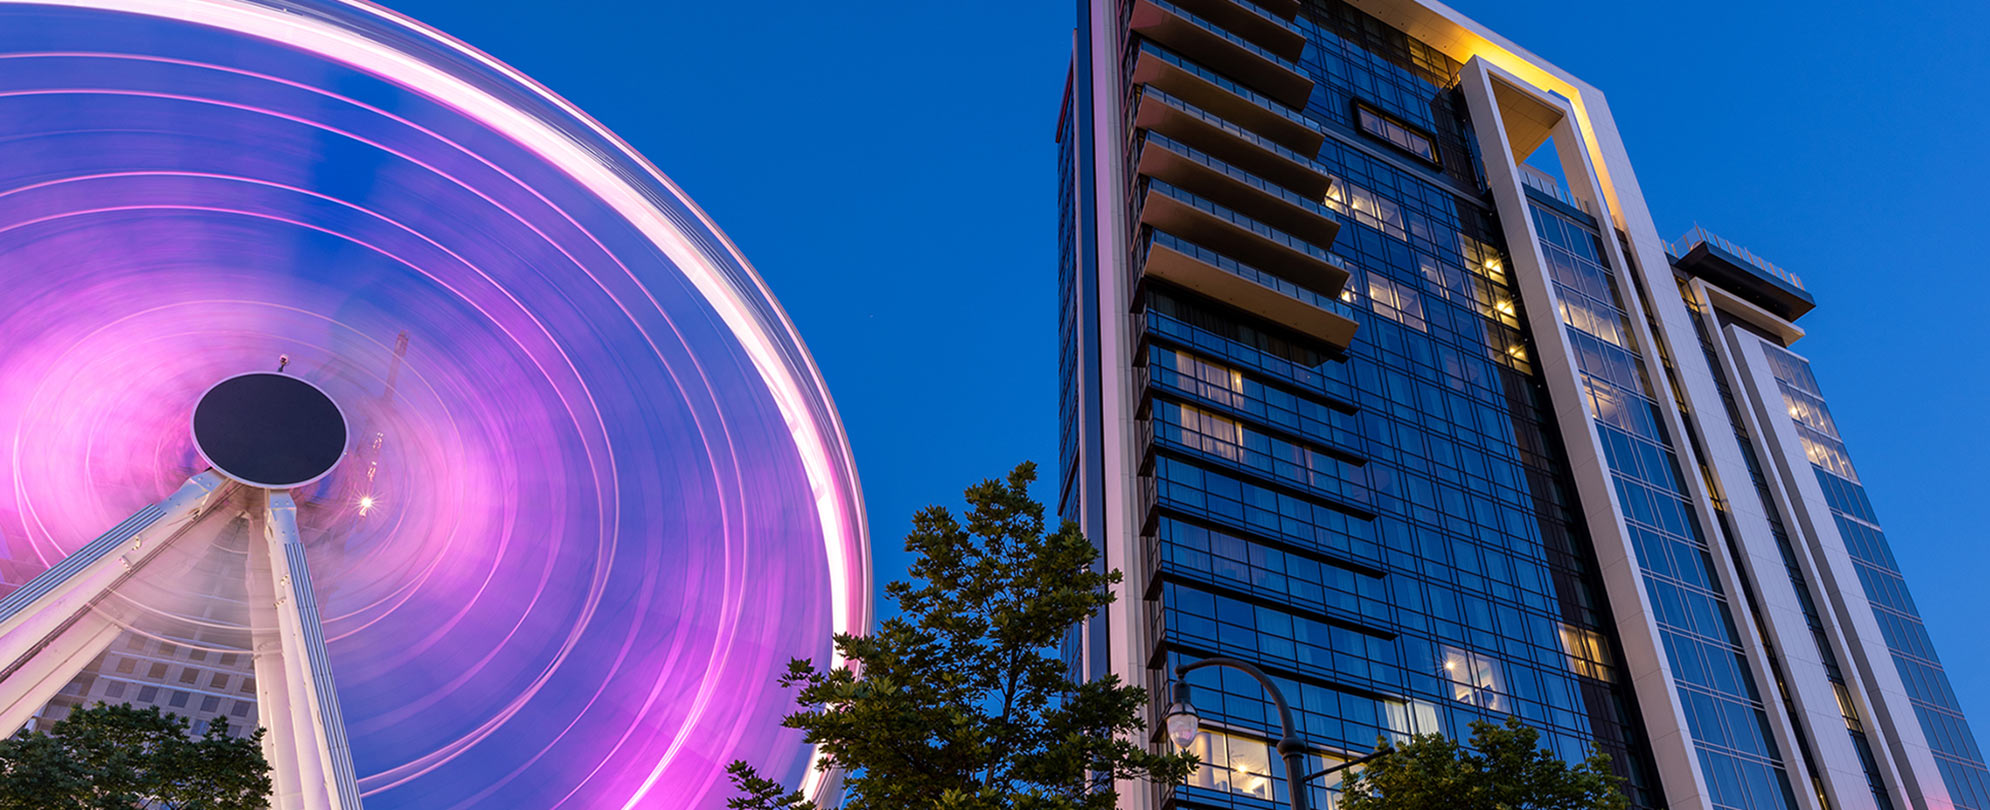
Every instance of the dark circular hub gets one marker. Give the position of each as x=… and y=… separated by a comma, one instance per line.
x=269, y=430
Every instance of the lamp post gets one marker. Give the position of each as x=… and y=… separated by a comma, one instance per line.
x=1183, y=724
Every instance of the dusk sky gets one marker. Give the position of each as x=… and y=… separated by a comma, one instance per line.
x=889, y=167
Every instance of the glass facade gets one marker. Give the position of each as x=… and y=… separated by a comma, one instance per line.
x=1705, y=324
x=1928, y=688
x=1312, y=320
x=1724, y=710
x=1387, y=527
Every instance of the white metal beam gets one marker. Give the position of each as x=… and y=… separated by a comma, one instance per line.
x=324, y=775
x=49, y=629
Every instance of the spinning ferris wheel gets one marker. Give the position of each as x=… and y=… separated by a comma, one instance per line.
x=354, y=387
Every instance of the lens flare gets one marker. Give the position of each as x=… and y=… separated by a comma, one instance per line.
x=596, y=495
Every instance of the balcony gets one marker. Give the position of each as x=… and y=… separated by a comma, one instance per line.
x=1156, y=67
x=1160, y=112
x=1282, y=9
x=1734, y=268
x=1197, y=172
x=1170, y=25
x=1271, y=30
x=1206, y=272
x=1166, y=207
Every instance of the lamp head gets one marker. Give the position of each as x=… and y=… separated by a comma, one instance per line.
x=1183, y=723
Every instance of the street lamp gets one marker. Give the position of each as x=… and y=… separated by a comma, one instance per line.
x=1183, y=725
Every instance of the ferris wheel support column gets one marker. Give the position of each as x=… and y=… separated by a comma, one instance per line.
x=50, y=628
x=273, y=710
x=40, y=677
x=318, y=750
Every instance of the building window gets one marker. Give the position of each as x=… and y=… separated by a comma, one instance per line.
x=1475, y=678
x=1588, y=655
x=1232, y=763
x=1252, y=767
x=1397, y=302
x=1212, y=433
x=1395, y=132
x=1367, y=208
x=1409, y=719
x=1212, y=381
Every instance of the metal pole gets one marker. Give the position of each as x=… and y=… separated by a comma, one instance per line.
x=1290, y=747
x=1374, y=755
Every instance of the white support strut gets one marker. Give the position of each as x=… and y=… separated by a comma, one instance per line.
x=49, y=629
x=317, y=748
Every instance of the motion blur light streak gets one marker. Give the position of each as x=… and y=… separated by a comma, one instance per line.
x=606, y=494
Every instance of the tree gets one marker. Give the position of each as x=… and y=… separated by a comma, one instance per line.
x=1504, y=769
x=960, y=701
x=118, y=758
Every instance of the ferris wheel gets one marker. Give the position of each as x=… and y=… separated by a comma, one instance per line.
x=357, y=388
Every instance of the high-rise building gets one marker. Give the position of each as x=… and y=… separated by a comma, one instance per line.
x=1378, y=375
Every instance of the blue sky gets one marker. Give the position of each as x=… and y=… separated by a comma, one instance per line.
x=888, y=166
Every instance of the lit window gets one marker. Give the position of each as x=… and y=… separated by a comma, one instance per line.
x=1367, y=208
x=1809, y=411
x=1583, y=313
x=1475, y=678
x=1239, y=764
x=1397, y=302
x=1408, y=719
x=1212, y=381
x=1827, y=454
x=1232, y=763
x=1395, y=132
x=1588, y=655
x=1847, y=709
x=1212, y=433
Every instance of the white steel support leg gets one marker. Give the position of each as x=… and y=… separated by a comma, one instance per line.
x=324, y=774
x=273, y=708
x=48, y=629
x=40, y=678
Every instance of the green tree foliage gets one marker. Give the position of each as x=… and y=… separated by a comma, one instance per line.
x=120, y=758
x=1503, y=769
x=960, y=701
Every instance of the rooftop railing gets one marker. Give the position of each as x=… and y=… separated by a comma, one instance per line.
x=1233, y=39
x=1542, y=182
x=1698, y=235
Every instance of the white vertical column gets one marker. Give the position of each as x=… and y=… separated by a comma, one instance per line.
x=1110, y=236
x=1893, y=719
x=1816, y=700
x=273, y=706
x=325, y=776
x=1630, y=605
x=1772, y=624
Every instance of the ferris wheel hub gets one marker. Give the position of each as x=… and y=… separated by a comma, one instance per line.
x=269, y=430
